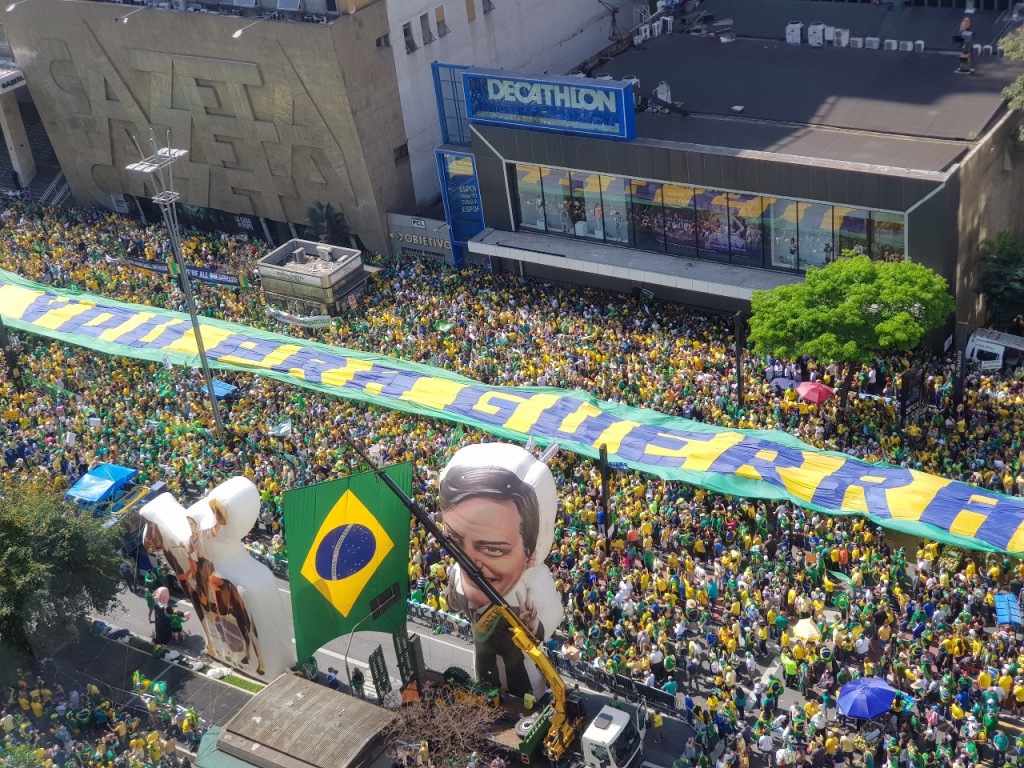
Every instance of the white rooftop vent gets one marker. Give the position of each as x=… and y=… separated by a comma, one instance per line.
x=794, y=32
x=872, y=43
x=919, y=46
x=299, y=254
x=856, y=42
x=986, y=50
x=324, y=252
x=667, y=23
x=891, y=45
x=907, y=45
x=656, y=28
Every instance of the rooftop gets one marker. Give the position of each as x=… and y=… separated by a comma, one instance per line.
x=295, y=723
x=890, y=108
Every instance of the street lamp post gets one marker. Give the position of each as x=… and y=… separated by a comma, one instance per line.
x=162, y=159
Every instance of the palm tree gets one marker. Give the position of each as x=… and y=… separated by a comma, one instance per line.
x=328, y=224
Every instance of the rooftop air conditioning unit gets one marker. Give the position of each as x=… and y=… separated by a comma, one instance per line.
x=656, y=28
x=638, y=40
x=976, y=50
x=324, y=252
x=919, y=46
x=816, y=34
x=856, y=42
x=794, y=32
x=907, y=45
x=830, y=35
x=891, y=45
x=664, y=92
x=667, y=23
x=842, y=38
x=986, y=50
x=645, y=30
x=873, y=43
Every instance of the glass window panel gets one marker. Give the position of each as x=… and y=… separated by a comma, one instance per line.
x=815, y=234
x=680, y=224
x=531, y=199
x=558, y=208
x=648, y=215
x=615, y=200
x=712, y=216
x=851, y=225
x=887, y=241
x=587, y=215
x=746, y=227
x=781, y=232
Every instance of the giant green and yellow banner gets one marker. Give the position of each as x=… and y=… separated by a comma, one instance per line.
x=753, y=463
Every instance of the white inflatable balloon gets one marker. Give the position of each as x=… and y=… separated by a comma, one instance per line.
x=234, y=597
x=499, y=503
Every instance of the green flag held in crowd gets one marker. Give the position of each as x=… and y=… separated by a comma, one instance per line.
x=349, y=564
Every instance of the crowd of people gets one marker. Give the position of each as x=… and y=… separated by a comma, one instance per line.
x=692, y=591
x=40, y=721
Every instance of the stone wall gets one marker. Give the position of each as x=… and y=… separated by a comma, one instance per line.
x=283, y=116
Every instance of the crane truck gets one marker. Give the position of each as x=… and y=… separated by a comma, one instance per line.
x=611, y=739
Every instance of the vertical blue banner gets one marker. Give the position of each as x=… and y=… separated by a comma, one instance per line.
x=461, y=194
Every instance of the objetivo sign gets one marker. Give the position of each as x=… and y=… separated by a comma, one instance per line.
x=563, y=104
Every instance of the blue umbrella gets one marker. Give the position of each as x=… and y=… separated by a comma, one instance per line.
x=866, y=698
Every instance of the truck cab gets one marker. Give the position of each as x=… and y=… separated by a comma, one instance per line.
x=993, y=350
x=612, y=740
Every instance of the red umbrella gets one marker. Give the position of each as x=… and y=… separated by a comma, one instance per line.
x=814, y=392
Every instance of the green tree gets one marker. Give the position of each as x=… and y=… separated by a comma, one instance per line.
x=20, y=756
x=328, y=224
x=1002, y=282
x=850, y=312
x=56, y=564
x=1013, y=49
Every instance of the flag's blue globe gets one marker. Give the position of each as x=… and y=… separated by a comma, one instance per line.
x=344, y=551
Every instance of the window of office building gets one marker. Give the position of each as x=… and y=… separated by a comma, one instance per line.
x=851, y=225
x=781, y=232
x=680, y=224
x=732, y=227
x=887, y=236
x=648, y=215
x=746, y=228
x=587, y=214
x=531, y=197
x=713, y=230
x=558, y=208
x=616, y=204
x=815, y=235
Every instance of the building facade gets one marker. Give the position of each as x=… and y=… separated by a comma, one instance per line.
x=751, y=188
x=275, y=119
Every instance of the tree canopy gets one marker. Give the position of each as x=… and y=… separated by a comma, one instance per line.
x=850, y=312
x=1013, y=49
x=56, y=563
x=328, y=224
x=1002, y=282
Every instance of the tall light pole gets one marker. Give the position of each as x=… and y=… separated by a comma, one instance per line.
x=154, y=166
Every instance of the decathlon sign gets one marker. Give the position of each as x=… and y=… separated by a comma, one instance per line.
x=563, y=104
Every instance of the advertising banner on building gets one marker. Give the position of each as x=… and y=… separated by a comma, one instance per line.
x=196, y=273
x=581, y=106
x=768, y=464
x=460, y=192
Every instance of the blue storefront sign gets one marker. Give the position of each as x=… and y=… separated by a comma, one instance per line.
x=581, y=106
x=461, y=195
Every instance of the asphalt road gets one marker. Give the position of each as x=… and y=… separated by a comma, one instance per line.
x=439, y=653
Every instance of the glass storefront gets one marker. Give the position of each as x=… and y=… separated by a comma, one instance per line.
x=732, y=227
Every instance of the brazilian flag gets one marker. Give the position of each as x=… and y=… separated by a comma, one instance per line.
x=348, y=546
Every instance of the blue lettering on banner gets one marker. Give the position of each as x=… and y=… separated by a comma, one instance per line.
x=562, y=104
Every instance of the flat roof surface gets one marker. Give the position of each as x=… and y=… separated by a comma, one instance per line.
x=708, y=132
x=935, y=26
x=297, y=723
x=876, y=91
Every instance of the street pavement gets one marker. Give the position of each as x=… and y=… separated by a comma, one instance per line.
x=439, y=653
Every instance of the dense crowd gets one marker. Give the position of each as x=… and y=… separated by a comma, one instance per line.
x=86, y=728
x=690, y=591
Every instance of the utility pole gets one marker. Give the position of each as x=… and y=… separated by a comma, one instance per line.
x=10, y=356
x=154, y=166
x=741, y=343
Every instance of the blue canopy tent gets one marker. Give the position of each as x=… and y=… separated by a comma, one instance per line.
x=1007, y=610
x=100, y=484
x=221, y=389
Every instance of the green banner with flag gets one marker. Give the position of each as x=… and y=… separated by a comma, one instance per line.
x=348, y=545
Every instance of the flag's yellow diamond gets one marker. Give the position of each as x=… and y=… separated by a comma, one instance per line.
x=349, y=547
